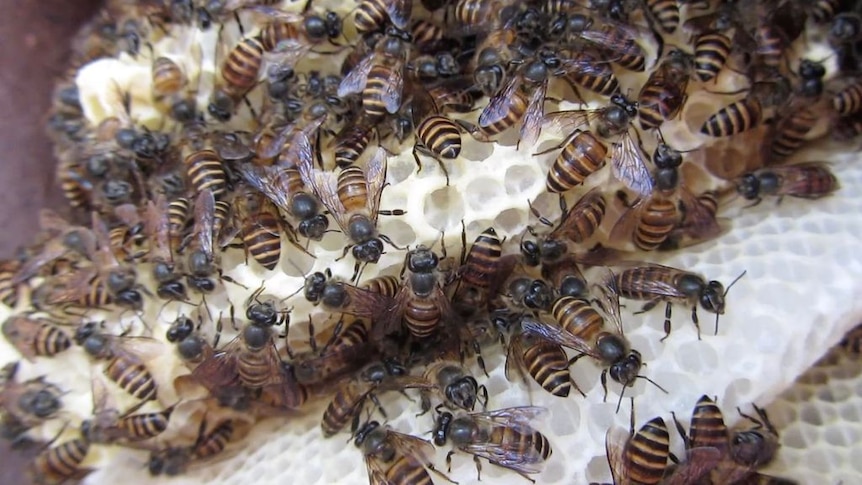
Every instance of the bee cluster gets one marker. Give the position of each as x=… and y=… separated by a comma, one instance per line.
x=252, y=124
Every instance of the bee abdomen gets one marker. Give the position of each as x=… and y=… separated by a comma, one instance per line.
x=205, y=171
x=666, y=12
x=734, y=118
x=262, y=239
x=657, y=221
x=421, y=317
x=51, y=341
x=710, y=54
x=548, y=365
x=133, y=378
x=440, y=135
x=578, y=317
x=242, y=66
x=581, y=157
x=647, y=453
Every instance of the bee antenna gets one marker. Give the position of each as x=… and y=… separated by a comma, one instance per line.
x=734, y=282
x=653, y=383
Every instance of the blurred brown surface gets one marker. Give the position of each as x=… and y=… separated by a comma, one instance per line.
x=33, y=53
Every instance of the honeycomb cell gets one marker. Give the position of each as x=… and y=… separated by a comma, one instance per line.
x=444, y=208
x=520, y=179
x=483, y=192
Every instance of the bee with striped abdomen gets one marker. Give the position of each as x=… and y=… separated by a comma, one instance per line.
x=60, y=463
x=395, y=458
x=810, y=180
x=504, y=437
x=664, y=93
x=546, y=362
x=107, y=425
x=639, y=457
x=25, y=404
x=35, y=337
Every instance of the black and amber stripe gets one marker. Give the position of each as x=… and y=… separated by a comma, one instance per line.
x=581, y=221
x=666, y=13
x=735, y=118
x=242, y=66
x=352, y=189
x=440, y=135
x=261, y=236
x=387, y=285
x=656, y=222
x=848, y=100
x=707, y=426
x=578, y=318
x=351, y=144
x=791, y=133
x=205, y=171
x=581, y=157
x=646, y=454
x=548, y=364
x=145, y=425
x=710, y=54
x=133, y=377
x=480, y=264
x=62, y=462
x=345, y=404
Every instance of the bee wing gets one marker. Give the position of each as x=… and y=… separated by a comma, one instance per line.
x=205, y=220
x=515, y=359
x=270, y=12
x=266, y=147
x=376, y=470
x=519, y=417
x=262, y=179
x=104, y=256
x=500, y=105
x=127, y=214
x=21, y=332
x=617, y=38
x=375, y=175
x=699, y=222
x=609, y=300
x=570, y=120
x=628, y=163
x=658, y=289
x=393, y=88
x=795, y=178
x=157, y=228
x=69, y=287
x=624, y=228
x=416, y=450
x=388, y=320
x=354, y=81
x=219, y=370
x=556, y=334
x=698, y=463
x=286, y=53
x=325, y=187
x=143, y=349
x=615, y=441
x=365, y=303
x=532, y=125
x=53, y=250
x=399, y=12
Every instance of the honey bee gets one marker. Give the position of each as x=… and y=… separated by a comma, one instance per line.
x=544, y=361
x=353, y=199
x=504, y=437
x=643, y=458
x=157, y=226
x=108, y=426
x=599, y=79
x=260, y=227
x=663, y=95
x=239, y=74
x=379, y=76
x=172, y=461
x=584, y=154
x=169, y=81
x=457, y=388
x=346, y=349
x=656, y=283
x=202, y=262
x=531, y=294
x=578, y=326
x=395, y=458
x=421, y=303
x=810, y=180
x=60, y=463
x=64, y=240
x=617, y=40
x=25, y=404
x=351, y=142
x=747, y=113
x=125, y=358
x=577, y=225
x=205, y=172
x=35, y=337
x=480, y=271
x=734, y=455
x=371, y=15
x=337, y=296
x=284, y=188
x=350, y=398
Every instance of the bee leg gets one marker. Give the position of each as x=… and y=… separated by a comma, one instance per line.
x=667, y=314
x=425, y=404
x=437, y=472
x=647, y=307
x=449, y=460
x=485, y=396
x=695, y=320
x=478, y=467
x=577, y=388
x=685, y=438
x=604, y=384
x=377, y=404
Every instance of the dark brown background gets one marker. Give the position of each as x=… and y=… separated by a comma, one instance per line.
x=34, y=37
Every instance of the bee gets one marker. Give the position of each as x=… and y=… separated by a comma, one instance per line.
x=157, y=226
x=351, y=142
x=665, y=13
x=481, y=267
x=802, y=114
x=60, y=463
x=656, y=283
x=346, y=349
x=421, y=303
x=108, y=426
x=371, y=15
x=644, y=456
x=353, y=199
x=63, y=240
x=810, y=180
x=578, y=326
x=747, y=113
x=504, y=437
x=125, y=359
x=615, y=39
x=577, y=225
x=711, y=51
x=25, y=404
x=290, y=37
x=395, y=458
x=202, y=262
x=544, y=361
x=205, y=172
x=663, y=95
x=350, y=398
x=239, y=74
x=457, y=388
x=379, y=76
x=848, y=100
x=260, y=227
x=734, y=455
x=337, y=296
x=284, y=188
x=178, y=217
x=584, y=153
x=437, y=136
x=172, y=461
x=428, y=36
x=599, y=79
x=169, y=81
x=35, y=337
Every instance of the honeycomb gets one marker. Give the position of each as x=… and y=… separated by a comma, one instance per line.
x=796, y=300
